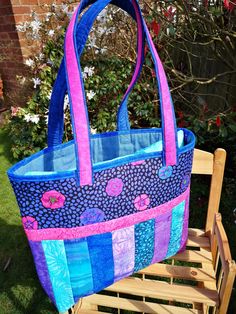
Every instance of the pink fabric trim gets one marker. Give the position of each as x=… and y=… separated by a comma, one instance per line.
x=102, y=227
x=140, y=39
x=169, y=126
x=79, y=109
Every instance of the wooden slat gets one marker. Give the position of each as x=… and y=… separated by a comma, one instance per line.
x=181, y=272
x=207, y=283
x=196, y=232
x=91, y=312
x=202, y=162
x=216, y=187
x=222, y=241
x=194, y=256
x=227, y=286
x=198, y=241
x=139, y=306
x=161, y=290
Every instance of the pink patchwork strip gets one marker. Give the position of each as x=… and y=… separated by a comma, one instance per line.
x=103, y=227
x=79, y=109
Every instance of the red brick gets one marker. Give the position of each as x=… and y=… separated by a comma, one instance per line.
x=5, y=11
x=39, y=9
x=7, y=28
x=42, y=2
x=8, y=19
x=21, y=35
x=21, y=9
x=19, y=18
x=4, y=36
x=26, y=51
x=5, y=2
x=27, y=43
x=12, y=50
x=15, y=2
x=13, y=35
x=11, y=65
x=29, y=2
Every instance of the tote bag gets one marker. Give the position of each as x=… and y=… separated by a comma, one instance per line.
x=101, y=207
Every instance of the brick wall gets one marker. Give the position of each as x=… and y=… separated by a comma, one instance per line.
x=13, y=47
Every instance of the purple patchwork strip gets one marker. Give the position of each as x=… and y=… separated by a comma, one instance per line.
x=103, y=227
x=162, y=236
x=123, y=245
x=42, y=269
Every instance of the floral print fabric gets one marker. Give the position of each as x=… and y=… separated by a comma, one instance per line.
x=30, y=223
x=91, y=216
x=61, y=203
x=141, y=202
x=114, y=187
x=53, y=199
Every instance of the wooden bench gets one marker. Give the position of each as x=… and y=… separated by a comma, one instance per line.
x=193, y=281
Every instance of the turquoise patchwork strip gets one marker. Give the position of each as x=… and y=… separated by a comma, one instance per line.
x=55, y=255
x=79, y=267
x=176, y=229
x=144, y=244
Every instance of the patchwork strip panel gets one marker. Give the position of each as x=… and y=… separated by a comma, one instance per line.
x=70, y=269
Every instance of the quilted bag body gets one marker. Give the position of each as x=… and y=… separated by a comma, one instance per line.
x=101, y=207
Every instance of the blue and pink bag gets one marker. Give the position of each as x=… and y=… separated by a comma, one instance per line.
x=101, y=207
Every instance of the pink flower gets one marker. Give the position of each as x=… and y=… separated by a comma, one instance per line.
x=29, y=223
x=14, y=111
x=141, y=202
x=114, y=187
x=137, y=163
x=53, y=199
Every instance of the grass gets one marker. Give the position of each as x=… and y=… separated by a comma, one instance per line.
x=20, y=291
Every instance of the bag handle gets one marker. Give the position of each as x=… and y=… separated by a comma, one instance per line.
x=56, y=109
x=79, y=112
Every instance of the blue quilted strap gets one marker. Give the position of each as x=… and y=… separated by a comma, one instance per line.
x=56, y=110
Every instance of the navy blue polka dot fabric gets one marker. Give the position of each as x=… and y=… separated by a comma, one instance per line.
x=116, y=192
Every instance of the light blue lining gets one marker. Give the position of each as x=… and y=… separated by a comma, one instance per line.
x=108, y=150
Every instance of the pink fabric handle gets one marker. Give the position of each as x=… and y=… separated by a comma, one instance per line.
x=168, y=115
x=79, y=109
